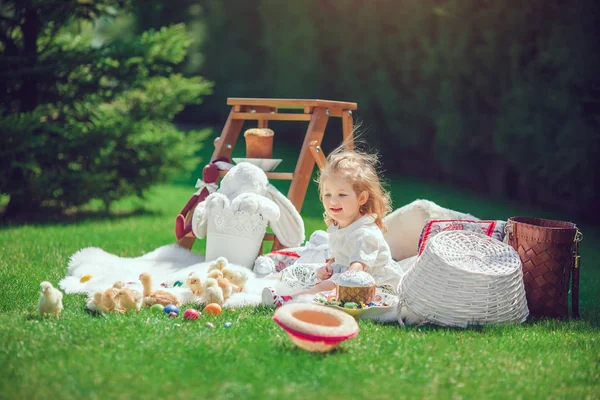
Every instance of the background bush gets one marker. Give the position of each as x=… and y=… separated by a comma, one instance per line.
x=500, y=97
x=84, y=116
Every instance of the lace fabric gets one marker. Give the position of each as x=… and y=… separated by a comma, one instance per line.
x=300, y=276
x=239, y=223
x=382, y=270
x=236, y=235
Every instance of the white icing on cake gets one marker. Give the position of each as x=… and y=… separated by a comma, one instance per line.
x=355, y=279
x=263, y=132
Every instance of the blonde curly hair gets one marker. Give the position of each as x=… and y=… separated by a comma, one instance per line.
x=360, y=170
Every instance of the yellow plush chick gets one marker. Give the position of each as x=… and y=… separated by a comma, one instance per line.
x=113, y=293
x=156, y=296
x=50, y=300
x=237, y=278
x=215, y=274
x=103, y=302
x=129, y=299
x=219, y=264
x=226, y=287
x=109, y=298
x=94, y=303
x=212, y=292
x=195, y=285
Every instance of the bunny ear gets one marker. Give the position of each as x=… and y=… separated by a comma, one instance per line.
x=289, y=229
x=216, y=202
x=199, y=220
x=254, y=203
x=269, y=209
x=245, y=202
x=213, y=202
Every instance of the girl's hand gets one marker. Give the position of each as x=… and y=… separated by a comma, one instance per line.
x=325, y=272
x=356, y=266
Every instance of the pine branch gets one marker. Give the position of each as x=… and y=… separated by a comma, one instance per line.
x=12, y=21
x=10, y=46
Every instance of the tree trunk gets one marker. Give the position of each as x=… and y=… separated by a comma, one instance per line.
x=20, y=206
x=28, y=95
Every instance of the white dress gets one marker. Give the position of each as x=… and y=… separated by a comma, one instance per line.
x=362, y=241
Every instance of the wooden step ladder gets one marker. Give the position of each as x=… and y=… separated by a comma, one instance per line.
x=315, y=112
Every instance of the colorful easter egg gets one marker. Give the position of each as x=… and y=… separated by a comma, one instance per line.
x=212, y=308
x=157, y=308
x=191, y=314
x=169, y=308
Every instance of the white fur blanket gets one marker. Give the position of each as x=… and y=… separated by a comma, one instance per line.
x=167, y=264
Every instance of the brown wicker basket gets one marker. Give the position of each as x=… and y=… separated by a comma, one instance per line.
x=356, y=294
x=549, y=252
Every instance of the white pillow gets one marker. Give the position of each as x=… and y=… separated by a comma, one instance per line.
x=406, y=223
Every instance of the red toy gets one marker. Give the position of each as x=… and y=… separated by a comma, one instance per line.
x=210, y=174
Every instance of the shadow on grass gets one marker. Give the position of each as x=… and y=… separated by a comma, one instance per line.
x=584, y=323
x=54, y=216
x=287, y=346
x=94, y=313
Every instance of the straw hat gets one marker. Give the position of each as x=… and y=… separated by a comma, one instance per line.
x=315, y=328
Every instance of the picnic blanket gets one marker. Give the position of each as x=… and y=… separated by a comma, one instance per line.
x=167, y=265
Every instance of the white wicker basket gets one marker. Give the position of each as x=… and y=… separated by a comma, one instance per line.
x=465, y=278
x=236, y=236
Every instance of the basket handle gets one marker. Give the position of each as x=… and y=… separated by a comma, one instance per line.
x=575, y=279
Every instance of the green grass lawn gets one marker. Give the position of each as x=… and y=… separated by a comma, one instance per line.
x=147, y=356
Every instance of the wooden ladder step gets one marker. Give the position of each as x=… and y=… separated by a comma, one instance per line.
x=271, y=116
x=290, y=103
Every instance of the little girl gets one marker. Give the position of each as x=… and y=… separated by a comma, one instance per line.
x=355, y=203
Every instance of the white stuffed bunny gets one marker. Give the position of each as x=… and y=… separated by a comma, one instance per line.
x=246, y=189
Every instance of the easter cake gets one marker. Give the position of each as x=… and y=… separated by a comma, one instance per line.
x=259, y=143
x=355, y=287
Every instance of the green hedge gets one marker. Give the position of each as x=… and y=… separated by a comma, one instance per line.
x=501, y=97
